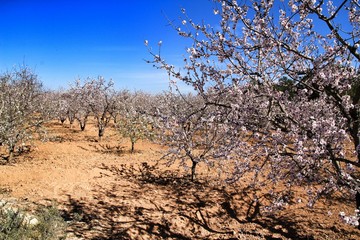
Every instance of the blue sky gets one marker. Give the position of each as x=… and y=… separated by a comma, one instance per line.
x=64, y=40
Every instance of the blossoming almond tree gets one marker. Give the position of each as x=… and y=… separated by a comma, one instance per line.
x=79, y=94
x=191, y=131
x=60, y=105
x=135, y=122
x=101, y=99
x=306, y=134
x=22, y=110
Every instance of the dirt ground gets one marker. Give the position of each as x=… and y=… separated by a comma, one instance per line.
x=105, y=192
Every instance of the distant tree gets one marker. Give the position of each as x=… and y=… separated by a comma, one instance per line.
x=68, y=106
x=101, y=100
x=121, y=97
x=59, y=105
x=21, y=108
x=286, y=85
x=79, y=94
x=135, y=123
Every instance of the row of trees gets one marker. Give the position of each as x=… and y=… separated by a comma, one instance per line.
x=99, y=99
x=171, y=119
x=25, y=106
x=95, y=97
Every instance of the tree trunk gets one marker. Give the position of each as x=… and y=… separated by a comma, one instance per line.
x=11, y=153
x=101, y=132
x=357, y=198
x=132, y=146
x=193, y=168
x=71, y=120
x=82, y=123
x=115, y=119
x=62, y=120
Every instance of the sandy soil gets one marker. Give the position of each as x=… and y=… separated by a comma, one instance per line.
x=105, y=192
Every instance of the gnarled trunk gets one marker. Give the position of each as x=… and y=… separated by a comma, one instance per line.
x=193, y=168
x=101, y=132
x=132, y=146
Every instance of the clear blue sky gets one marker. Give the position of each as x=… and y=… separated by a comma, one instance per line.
x=63, y=40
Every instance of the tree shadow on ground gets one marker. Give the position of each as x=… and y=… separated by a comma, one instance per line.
x=148, y=203
x=106, y=148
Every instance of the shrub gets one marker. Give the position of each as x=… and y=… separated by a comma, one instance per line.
x=47, y=223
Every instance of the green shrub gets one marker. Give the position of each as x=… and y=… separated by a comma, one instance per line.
x=47, y=223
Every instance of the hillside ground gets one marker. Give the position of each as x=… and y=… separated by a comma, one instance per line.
x=105, y=192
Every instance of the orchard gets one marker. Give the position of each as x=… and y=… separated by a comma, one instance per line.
x=273, y=115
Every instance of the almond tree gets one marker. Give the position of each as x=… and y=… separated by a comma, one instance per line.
x=67, y=107
x=101, y=100
x=307, y=135
x=121, y=96
x=59, y=105
x=135, y=122
x=21, y=108
x=190, y=129
x=79, y=96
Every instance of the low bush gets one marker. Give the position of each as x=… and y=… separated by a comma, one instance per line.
x=46, y=223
